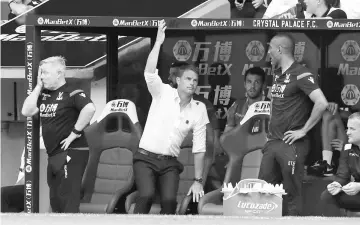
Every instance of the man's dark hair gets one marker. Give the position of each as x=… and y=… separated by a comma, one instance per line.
x=178, y=64
x=256, y=71
x=182, y=67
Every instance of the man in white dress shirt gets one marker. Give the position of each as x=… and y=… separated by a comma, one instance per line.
x=173, y=113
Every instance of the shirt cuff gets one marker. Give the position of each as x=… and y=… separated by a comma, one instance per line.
x=200, y=150
x=149, y=77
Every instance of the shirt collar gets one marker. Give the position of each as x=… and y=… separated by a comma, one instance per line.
x=61, y=88
x=278, y=70
x=177, y=98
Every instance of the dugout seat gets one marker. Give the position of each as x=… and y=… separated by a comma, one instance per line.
x=350, y=213
x=112, y=140
x=248, y=137
x=186, y=157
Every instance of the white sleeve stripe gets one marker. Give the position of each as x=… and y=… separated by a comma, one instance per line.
x=303, y=75
x=75, y=92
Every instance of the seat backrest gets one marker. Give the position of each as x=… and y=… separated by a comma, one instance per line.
x=112, y=140
x=249, y=136
x=125, y=106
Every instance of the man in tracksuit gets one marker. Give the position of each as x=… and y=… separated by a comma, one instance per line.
x=344, y=192
x=64, y=113
x=293, y=90
x=254, y=83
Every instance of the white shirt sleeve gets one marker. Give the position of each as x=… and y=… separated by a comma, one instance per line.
x=277, y=7
x=154, y=84
x=199, y=131
x=351, y=8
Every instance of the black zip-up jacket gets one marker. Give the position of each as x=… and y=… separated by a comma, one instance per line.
x=349, y=165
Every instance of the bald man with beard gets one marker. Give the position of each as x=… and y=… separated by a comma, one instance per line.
x=297, y=104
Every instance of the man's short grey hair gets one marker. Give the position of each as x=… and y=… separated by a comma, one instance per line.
x=59, y=61
x=355, y=115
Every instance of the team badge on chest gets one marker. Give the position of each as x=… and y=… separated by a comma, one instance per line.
x=60, y=96
x=287, y=79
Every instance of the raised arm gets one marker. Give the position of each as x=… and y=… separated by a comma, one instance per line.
x=153, y=81
x=30, y=104
x=18, y=7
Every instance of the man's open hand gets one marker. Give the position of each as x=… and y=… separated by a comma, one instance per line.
x=161, y=32
x=66, y=142
x=197, y=190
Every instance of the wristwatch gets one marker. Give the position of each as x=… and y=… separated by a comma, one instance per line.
x=77, y=132
x=200, y=180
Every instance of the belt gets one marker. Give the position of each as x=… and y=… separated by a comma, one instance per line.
x=154, y=155
x=80, y=148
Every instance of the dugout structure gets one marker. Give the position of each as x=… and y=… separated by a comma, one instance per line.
x=322, y=32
